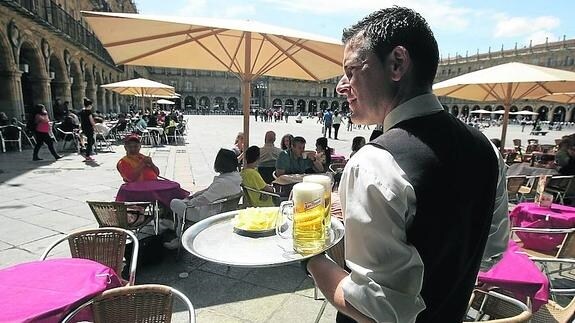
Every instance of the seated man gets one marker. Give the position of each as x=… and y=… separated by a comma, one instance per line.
x=135, y=167
x=269, y=154
x=291, y=161
x=252, y=179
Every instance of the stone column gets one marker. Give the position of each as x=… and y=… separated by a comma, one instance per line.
x=91, y=94
x=61, y=89
x=79, y=89
x=42, y=92
x=101, y=94
x=109, y=103
x=11, y=99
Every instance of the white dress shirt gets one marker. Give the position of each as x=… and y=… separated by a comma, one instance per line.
x=386, y=271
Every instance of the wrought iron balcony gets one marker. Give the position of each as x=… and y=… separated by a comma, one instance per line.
x=50, y=14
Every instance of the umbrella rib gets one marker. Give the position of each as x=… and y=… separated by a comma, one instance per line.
x=213, y=55
x=293, y=59
x=233, y=60
x=147, y=38
x=183, y=42
x=312, y=50
x=258, y=55
x=489, y=90
x=273, y=60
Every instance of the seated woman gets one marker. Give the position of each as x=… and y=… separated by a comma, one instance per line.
x=196, y=207
x=251, y=178
x=135, y=167
x=323, y=153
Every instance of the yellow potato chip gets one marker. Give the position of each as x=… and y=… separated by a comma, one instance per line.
x=256, y=219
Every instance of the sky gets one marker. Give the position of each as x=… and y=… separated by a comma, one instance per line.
x=459, y=26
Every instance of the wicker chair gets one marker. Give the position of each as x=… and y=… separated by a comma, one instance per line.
x=143, y=303
x=514, y=183
x=248, y=202
x=555, y=313
x=561, y=187
x=117, y=214
x=104, y=245
x=490, y=306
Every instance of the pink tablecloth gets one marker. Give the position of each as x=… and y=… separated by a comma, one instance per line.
x=46, y=291
x=516, y=273
x=162, y=191
x=531, y=215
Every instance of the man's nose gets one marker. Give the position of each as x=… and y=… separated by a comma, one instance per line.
x=343, y=86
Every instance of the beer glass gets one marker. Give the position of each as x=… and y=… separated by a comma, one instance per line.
x=308, y=213
x=327, y=183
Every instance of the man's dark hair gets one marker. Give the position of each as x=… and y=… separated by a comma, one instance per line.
x=398, y=26
x=87, y=102
x=298, y=139
x=252, y=154
x=226, y=161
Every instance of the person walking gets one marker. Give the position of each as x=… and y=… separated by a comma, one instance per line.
x=87, y=123
x=336, y=123
x=413, y=253
x=39, y=122
x=327, y=122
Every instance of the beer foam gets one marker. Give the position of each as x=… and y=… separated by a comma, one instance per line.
x=324, y=180
x=306, y=192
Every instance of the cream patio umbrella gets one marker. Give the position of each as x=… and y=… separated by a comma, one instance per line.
x=506, y=83
x=566, y=98
x=140, y=87
x=164, y=101
x=246, y=48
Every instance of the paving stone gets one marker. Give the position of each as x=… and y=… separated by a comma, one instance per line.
x=232, y=272
x=253, y=303
x=285, y=278
x=58, y=221
x=25, y=233
x=299, y=307
x=14, y=256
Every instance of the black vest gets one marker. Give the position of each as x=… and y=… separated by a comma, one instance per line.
x=453, y=169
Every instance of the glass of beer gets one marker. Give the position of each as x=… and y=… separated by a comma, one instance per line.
x=308, y=213
x=327, y=183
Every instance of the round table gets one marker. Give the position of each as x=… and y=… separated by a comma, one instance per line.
x=162, y=191
x=48, y=290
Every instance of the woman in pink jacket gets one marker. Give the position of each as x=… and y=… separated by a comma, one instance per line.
x=41, y=125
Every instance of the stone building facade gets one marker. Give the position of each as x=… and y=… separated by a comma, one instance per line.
x=559, y=55
x=47, y=52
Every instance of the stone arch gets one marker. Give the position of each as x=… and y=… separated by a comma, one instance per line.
x=35, y=83
x=465, y=111
x=77, y=84
x=527, y=108
x=323, y=105
x=559, y=114
x=571, y=113
x=277, y=103
x=289, y=105
x=232, y=104
x=455, y=110
x=513, y=109
x=300, y=105
x=334, y=105
x=543, y=111
x=475, y=107
x=312, y=106
x=189, y=103
x=345, y=106
x=205, y=102
x=10, y=102
x=219, y=103
x=488, y=108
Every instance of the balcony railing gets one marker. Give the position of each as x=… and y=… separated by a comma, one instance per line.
x=50, y=13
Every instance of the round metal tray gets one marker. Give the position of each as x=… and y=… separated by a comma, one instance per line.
x=214, y=239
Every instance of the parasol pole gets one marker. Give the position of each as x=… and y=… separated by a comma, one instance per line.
x=507, y=106
x=246, y=88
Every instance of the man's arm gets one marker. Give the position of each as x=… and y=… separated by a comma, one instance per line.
x=499, y=232
x=328, y=277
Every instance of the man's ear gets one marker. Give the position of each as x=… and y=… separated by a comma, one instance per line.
x=401, y=62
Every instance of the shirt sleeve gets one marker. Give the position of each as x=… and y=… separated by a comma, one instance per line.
x=386, y=271
x=499, y=230
x=125, y=170
x=283, y=161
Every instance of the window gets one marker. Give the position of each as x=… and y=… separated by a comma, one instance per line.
x=324, y=92
x=188, y=85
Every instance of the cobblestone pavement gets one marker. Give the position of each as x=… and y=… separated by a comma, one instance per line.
x=41, y=201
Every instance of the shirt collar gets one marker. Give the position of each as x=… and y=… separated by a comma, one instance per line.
x=418, y=106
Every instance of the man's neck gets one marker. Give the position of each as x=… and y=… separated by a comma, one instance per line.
x=252, y=165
